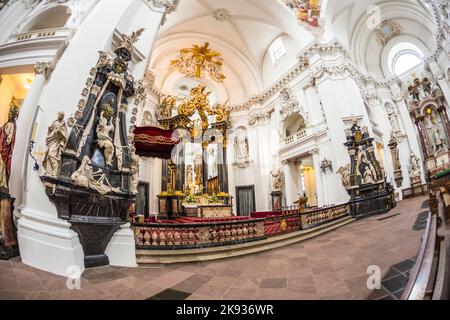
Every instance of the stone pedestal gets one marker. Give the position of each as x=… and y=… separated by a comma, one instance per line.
x=277, y=200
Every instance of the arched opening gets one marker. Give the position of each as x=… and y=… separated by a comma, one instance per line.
x=55, y=17
x=294, y=124
x=404, y=57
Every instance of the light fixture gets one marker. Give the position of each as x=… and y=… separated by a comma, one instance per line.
x=27, y=84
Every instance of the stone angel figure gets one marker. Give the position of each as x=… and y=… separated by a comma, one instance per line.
x=56, y=141
x=85, y=177
x=345, y=176
x=134, y=170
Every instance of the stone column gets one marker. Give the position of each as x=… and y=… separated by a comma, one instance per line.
x=25, y=126
x=291, y=173
x=321, y=195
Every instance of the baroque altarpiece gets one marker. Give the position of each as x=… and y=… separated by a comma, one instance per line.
x=195, y=177
x=427, y=107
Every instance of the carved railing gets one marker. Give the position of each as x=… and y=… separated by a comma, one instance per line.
x=295, y=137
x=188, y=236
x=158, y=236
x=320, y=216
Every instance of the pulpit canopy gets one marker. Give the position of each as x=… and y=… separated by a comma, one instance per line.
x=154, y=142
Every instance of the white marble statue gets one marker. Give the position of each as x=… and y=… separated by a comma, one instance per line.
x=437, y=137
x=368, y=175
x=414, y=169
x=104, y=129
x=134, y=169
x=394, y=122
x=345, y=175
x=56, y=141
x=277, y=180
x=85, y=177
x=241, y=147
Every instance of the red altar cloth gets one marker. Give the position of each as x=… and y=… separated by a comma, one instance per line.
x=154, y=142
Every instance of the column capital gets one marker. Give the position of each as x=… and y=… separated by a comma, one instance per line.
x=43, y=68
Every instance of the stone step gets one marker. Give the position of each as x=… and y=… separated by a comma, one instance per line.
x=148, y=257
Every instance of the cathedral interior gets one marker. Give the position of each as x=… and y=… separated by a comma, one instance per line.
x=225, y=150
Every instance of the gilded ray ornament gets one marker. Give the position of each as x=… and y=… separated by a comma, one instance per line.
x=200, y=60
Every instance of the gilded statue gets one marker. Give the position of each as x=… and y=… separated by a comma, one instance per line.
x=85, y=177
x=223, y=113
x=197, y=101
x=56, y=141
x=193, y=61
x=134, y=170
x=7, y=140
x=165, y=109
x=104, y=129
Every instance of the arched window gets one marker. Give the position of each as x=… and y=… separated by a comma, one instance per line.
x=403, y=57
x=277, y=50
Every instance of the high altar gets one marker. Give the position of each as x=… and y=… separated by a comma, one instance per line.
x=195, y=177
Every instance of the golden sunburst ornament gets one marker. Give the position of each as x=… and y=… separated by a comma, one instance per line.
x=198, y=60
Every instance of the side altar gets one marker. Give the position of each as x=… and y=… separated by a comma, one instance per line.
x=195, y=177
x=91, y=174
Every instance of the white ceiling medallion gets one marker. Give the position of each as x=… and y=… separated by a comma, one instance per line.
x=221, y=14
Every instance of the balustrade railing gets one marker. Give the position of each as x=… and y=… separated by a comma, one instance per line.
x=295, y=137
x=317, y=217
x=208, y=234
x=38, y=34
x=198, y=235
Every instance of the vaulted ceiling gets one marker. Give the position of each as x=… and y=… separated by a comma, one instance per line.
x=242, y=30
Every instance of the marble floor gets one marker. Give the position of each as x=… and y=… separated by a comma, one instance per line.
x=330, y=266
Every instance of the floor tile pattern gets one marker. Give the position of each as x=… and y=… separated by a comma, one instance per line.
x=331, y=266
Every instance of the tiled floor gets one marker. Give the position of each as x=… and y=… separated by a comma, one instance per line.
x=394, y=281
x=331, y=266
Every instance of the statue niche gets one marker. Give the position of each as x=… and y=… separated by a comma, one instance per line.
x=96, y=180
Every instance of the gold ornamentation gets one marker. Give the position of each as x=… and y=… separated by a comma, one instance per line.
x=165, y=109
x=129, y=41
x=223, y=113
x=197, y=101
x=196, y=60
x=283, y=225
